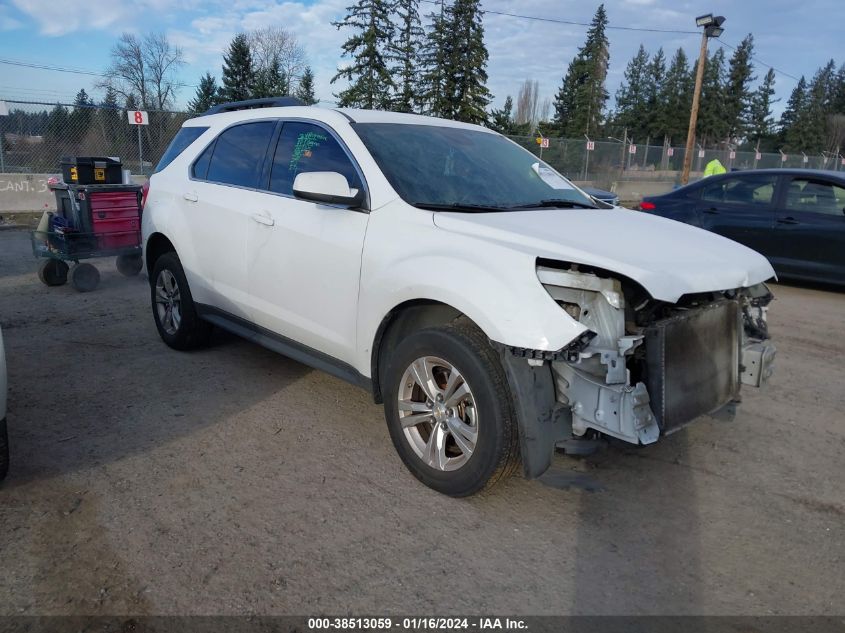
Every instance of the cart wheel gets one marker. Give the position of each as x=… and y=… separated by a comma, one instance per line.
x=53, y=272
x=129, y=265
x=84, y=277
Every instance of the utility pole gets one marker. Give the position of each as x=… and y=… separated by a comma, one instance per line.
x=712, y=28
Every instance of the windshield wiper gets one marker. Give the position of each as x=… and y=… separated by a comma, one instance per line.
x=555, y=203
x=473, y=208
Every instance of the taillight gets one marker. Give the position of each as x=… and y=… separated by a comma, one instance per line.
x=645, y=205
x=145, y=189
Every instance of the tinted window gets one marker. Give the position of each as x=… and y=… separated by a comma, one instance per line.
x=747, y=190
x=815, y=196
x=200, y=168
x=303, y=148
x=183, y=138
x=433, y=165
x=239, y=153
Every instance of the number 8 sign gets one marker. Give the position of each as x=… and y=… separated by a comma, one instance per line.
x=138, y=117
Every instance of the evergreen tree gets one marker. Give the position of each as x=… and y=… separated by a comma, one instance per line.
x=432, y=59
x=305, y=89
x=580, y=102
x=787, y=133
x=632, y=96
x=676, y=99
x=79, y=120
x=271, y=81
x=465, y=92
x=761, y=123
x=111, y=123
x=405, y=55
x=238, y=73
x=738, y=94
x=502, y=120
x=810, y=129
x=57, y=123
x=654, y=80
x=206, y=96
x=713, y=126
x=371, y=85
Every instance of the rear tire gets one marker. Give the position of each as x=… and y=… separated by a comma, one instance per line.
x=53, y=272
x=467, y=443
x=85, y=277
x=174, y=311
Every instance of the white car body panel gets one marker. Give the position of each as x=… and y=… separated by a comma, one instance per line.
x=482, y=264
x=668, y=258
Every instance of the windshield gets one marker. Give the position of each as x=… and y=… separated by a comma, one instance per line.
x=462, y=169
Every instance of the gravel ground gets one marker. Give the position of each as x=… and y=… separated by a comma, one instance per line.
x=236, y=481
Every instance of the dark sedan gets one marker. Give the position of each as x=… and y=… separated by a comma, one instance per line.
x=795, y=217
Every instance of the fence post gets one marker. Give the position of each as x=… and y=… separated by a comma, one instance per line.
x=140, y=151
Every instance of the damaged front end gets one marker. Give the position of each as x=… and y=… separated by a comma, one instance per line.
x=644, y=368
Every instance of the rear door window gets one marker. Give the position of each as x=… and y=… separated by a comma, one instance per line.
x=305, y=147
x=741, y=190
x=239, y=154
x=815, y=196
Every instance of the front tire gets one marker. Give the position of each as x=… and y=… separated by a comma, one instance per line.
x=173, y=307
x=449, y=412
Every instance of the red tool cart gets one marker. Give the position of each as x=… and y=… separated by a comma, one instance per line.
x=91, y=220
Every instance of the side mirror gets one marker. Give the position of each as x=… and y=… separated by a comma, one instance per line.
x=326, y=187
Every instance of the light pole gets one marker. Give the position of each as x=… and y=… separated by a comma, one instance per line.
x=712, y=28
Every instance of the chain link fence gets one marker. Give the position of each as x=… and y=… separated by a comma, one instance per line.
x=608, y=160
x=36, y=135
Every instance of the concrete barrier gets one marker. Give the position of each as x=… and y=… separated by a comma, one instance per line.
x=29, y=192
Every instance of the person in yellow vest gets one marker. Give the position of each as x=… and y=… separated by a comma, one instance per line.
x=713, y=168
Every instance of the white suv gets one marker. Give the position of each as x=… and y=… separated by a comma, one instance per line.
x=470, y=287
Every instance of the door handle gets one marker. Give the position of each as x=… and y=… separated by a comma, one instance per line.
x=712, y=211
x=787, y=220
x=263, y=218
x=190, y=196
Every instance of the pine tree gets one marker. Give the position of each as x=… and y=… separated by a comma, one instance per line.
x=502, y=120
x=631, y=98
x=432, y=59
x=111, y=123
x=271, y=81
x=788, y=135
x=305, y=89
x=371, y=84
x=761, y=123
x=206, y=96
x=465, y=92
x=675, y=99
x=405, y=55
x=238, y=73
x=654, y=80
x=80, y=119
x=810, y=130
x=580, y=102
x=737, y=101
x=713, y=126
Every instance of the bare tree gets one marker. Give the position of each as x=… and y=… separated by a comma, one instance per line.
x=527, y=103
x=545, y=111
x=275, y=43
x=143, y=70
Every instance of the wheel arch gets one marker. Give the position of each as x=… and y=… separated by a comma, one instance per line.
x=157, y=245
x=407, y=317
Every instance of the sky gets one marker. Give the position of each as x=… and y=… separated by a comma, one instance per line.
x=794, y=37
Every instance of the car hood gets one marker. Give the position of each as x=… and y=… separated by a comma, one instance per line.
x=668, y=258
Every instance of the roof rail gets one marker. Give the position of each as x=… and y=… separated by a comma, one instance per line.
x=249, y=104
